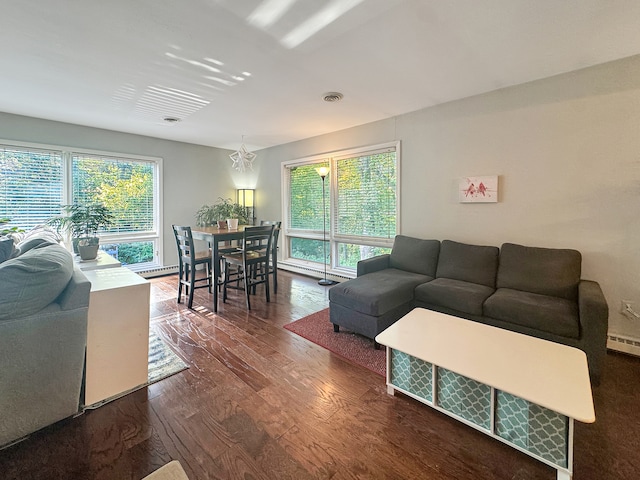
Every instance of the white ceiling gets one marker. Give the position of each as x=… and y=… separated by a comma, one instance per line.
x=259, y=68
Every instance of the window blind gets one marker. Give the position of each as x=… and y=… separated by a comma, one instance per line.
x=123, y=185
x=305, y=201
x=31, y=185
x=366, y=195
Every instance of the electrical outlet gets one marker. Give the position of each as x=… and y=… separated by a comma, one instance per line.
x=627, y=308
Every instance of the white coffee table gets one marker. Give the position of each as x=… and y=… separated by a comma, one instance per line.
x=522, y=390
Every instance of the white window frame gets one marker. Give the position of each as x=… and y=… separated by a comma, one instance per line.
x=154, y=235
x=332, y=194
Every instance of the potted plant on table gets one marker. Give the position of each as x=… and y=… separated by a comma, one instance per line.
x=81, y=223
x=225, y=212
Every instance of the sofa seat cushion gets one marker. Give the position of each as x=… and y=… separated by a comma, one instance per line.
x=377, y=293
x=33, y=280
x=539, y=312
x=454, y=294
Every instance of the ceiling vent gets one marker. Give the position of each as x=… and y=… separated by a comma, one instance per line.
x=332, y=97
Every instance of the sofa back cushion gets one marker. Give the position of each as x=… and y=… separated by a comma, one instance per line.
x=415, y=255
x=469, y=263
x=7, y=248
x=546, y=271
x=33, y=280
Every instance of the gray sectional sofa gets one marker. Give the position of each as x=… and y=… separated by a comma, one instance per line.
x=43, y=336
x=530, y=290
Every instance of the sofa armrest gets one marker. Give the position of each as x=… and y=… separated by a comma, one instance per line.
x=76, y=294
x=373, y=264
x=594, y=325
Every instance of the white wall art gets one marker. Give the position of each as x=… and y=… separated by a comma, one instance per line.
x=478, y=189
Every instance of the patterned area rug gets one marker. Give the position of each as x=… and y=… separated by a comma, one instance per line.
x=163, y=362
x=357, y=349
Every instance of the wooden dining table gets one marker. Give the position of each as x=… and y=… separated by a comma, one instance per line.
x=218, y=239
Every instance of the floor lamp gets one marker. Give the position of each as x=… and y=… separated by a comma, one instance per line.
x=323, y=172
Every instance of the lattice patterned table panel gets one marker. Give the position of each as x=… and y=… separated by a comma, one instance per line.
x=539, y=431
x=464, y=397
x=536, y=429
x=412, y=374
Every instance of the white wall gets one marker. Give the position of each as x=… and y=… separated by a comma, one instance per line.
x=193, y=174
x=567, y=152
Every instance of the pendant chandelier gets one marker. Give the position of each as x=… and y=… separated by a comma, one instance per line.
x=242, y=158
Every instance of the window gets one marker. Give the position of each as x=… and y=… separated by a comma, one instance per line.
x=30, y=185
x=361, y=208
x=34, y=184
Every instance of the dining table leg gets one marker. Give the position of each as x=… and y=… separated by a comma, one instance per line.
x=215, y=260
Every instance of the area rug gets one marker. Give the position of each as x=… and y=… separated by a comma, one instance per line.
x=357, y=349
x=163, y=362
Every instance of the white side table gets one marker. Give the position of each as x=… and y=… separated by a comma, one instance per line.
x=117, y=335
x=103, y=260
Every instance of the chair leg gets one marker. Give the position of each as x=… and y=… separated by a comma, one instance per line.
x=266, y=283
x=246, y=288
x=275, y=280
x=223, y=274
x=254, y=275
x=224, y=283
x=191, y=272
x=180, y=274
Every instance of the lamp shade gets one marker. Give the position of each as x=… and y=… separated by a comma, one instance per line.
x=322, y=171
x=245, y=197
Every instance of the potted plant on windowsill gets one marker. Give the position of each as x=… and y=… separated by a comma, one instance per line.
x=81, y=223
x=225, y=212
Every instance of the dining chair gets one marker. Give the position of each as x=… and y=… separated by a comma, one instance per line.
x=189, y=259
x=251, y=262
x=273, y=266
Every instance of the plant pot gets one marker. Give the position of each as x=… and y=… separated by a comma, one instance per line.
x=232, y=223
x=88, y=252
x=222, y=223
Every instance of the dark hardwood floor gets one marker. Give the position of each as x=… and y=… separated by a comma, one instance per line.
x=259, y=402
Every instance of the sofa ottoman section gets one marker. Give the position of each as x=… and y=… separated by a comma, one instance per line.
x=369, y=304
x=384, y=289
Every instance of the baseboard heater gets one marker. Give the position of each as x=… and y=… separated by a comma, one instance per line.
x=158, y=271
x=311, y=272
x=624, y=344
